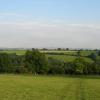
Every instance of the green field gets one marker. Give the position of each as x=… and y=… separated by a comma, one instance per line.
x=65, y=52
x=18, y=52
x=20, y=87
x=22, y=52
x=68, y=57
x=62, y=57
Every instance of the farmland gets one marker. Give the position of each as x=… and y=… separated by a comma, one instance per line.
x=22, y=52
x=67, y=58
x=18, y=52
x=26, y=87
x=69, y=55
x=63, y=76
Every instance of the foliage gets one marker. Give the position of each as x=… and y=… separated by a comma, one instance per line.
x=56, y=66
x=98, y=53
x=36, y=62
x=4, y=62
x=93, y=56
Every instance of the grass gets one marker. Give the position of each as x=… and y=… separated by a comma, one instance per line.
x=67, y=58
x=58, y=51
x=18, y=52
x=19, y=87
x=22, y=52
x=62, y=57
x=86, y=53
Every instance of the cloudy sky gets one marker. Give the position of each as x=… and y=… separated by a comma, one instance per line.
x=50, y=23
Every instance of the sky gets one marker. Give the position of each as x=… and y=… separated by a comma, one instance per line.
x=50, y=23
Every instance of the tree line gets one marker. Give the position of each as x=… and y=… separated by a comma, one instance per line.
x=34, y=62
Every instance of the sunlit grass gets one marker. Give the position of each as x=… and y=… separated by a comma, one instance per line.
x=20, y=87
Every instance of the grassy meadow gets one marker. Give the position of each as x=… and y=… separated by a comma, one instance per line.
x=22, y=52
x=67, y=57
x=18, y=52
x=25, y=87
x=28, y=87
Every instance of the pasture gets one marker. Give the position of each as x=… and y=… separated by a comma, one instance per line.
x=67, y=57
x=25, y=87
x=18, y=52
x=22, y=52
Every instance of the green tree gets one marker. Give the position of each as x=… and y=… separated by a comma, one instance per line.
x=93, y=56
x=4, y=62
x=98, y=53
x=79, y=65
x=36, y=62
x=79, y=53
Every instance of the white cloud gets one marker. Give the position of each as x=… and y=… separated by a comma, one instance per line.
x=39, y=34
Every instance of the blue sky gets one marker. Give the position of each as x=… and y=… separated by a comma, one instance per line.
x=72, y=11
x=43, y=21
